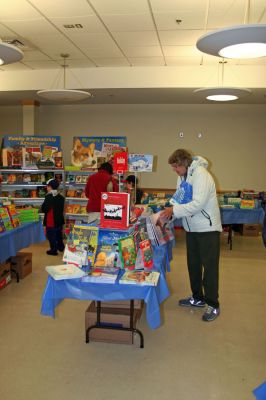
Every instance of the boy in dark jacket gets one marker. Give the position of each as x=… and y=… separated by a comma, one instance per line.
x=53, y=209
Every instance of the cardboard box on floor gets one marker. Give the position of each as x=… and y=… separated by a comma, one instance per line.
x=22, y=263
x=5, y=274
x=138, y=304
x=115, y=316
x=250, y=230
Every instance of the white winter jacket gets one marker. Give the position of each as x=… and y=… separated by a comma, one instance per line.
x=202, y=213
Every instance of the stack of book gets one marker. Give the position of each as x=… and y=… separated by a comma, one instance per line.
x=144, y=278
x=102, y=275
x=29, y=214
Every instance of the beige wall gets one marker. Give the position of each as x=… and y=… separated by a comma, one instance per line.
x=234, y=137
x=10, y=120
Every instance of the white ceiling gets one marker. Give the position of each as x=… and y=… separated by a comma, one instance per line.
x=119, y=33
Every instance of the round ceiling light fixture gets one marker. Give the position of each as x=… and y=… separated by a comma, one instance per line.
x=241, y=41
x=222, y=93
x=64, y=95
x=9, y=54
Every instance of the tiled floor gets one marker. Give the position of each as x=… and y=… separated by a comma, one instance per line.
x=185, y=359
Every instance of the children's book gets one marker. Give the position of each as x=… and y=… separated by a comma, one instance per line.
x=183, y=194
x=127, y=252
x=72, y=208
x=6, y=219
x=115, y=210
x=146, y=253
x=145, y=278
x=2, y=226
x=105, y=256
x=157, y=230
x=74, y=255
x=65, y=271
x=101, y=275
x=85, y=237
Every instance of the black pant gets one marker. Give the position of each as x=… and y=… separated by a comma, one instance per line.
x=55, y=237
x=203, y=252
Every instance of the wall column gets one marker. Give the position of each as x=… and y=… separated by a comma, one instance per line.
x=30, y=117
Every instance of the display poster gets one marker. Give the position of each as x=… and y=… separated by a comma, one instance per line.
x=140, y=162
x=31, y=141
x=32, y=152
x=90, y=151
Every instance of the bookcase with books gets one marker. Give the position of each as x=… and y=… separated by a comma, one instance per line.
x=26, y=187
x=75, y=199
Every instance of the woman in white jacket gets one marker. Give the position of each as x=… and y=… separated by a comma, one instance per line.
x=195, y=201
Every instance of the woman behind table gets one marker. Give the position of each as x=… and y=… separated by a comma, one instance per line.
x=102, y=181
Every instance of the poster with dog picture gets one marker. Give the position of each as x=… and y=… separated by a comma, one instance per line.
x=89, y=151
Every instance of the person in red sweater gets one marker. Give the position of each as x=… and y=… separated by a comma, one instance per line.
x=102, y=181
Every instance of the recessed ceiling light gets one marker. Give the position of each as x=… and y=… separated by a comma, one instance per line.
x=222, y=93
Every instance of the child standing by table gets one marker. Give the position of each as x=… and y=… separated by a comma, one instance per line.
x=53, y=209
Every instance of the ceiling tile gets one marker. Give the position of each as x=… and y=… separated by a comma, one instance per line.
x=90, y=23
x=181, y=51
x=91, y=39
x=100, y=52
x=111, y=62
x=35, y=55
x=146, y=38
x=43, y=64
x=63, y=8
x=15, y=67
x=190, y=20
x=177, y=5
x=17, y=10
x=120, y=6
x=175, y=61
x=226, y=13
x=128, y=23
x=180, y=37
x=142, y=51
x=147, y=61
x=26, y=28
x=5, y=32
x=80, y=63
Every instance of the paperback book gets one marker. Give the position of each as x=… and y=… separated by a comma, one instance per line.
x=146, y=253
x=65, y=271
x=105, y=256
x=127, y=252
x=144, y=278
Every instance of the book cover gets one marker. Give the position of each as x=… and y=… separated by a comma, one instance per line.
x=2, y=225
x=6, y=219
x=114, y=210
x=120, y=162
x=105, y=256
x=65, y=271
x=157, y=230
x=140, y=162
x=85, y=237
x=102, y=275
x=146, y=253
x=183, y=194
x=127, y=252
x=72, y=208
x=145, y=278
x=78, y=179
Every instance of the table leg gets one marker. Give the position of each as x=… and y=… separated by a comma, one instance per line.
x=131, y=328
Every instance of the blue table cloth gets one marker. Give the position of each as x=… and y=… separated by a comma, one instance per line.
x=19, y=238
x=231, y=216
x=56, y=291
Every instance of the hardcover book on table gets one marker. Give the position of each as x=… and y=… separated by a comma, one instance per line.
x=102, y=275
x=114, y=210
x=105, y=256
x=144, y=278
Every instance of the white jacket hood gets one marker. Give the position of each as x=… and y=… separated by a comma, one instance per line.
x=198, y=161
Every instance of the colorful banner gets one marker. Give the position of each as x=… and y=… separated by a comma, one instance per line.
x=31, y=141
x=88, y=149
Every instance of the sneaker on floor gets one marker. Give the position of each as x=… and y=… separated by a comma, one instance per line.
x=191, y=302
x=51, y=253
x=211, y=314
